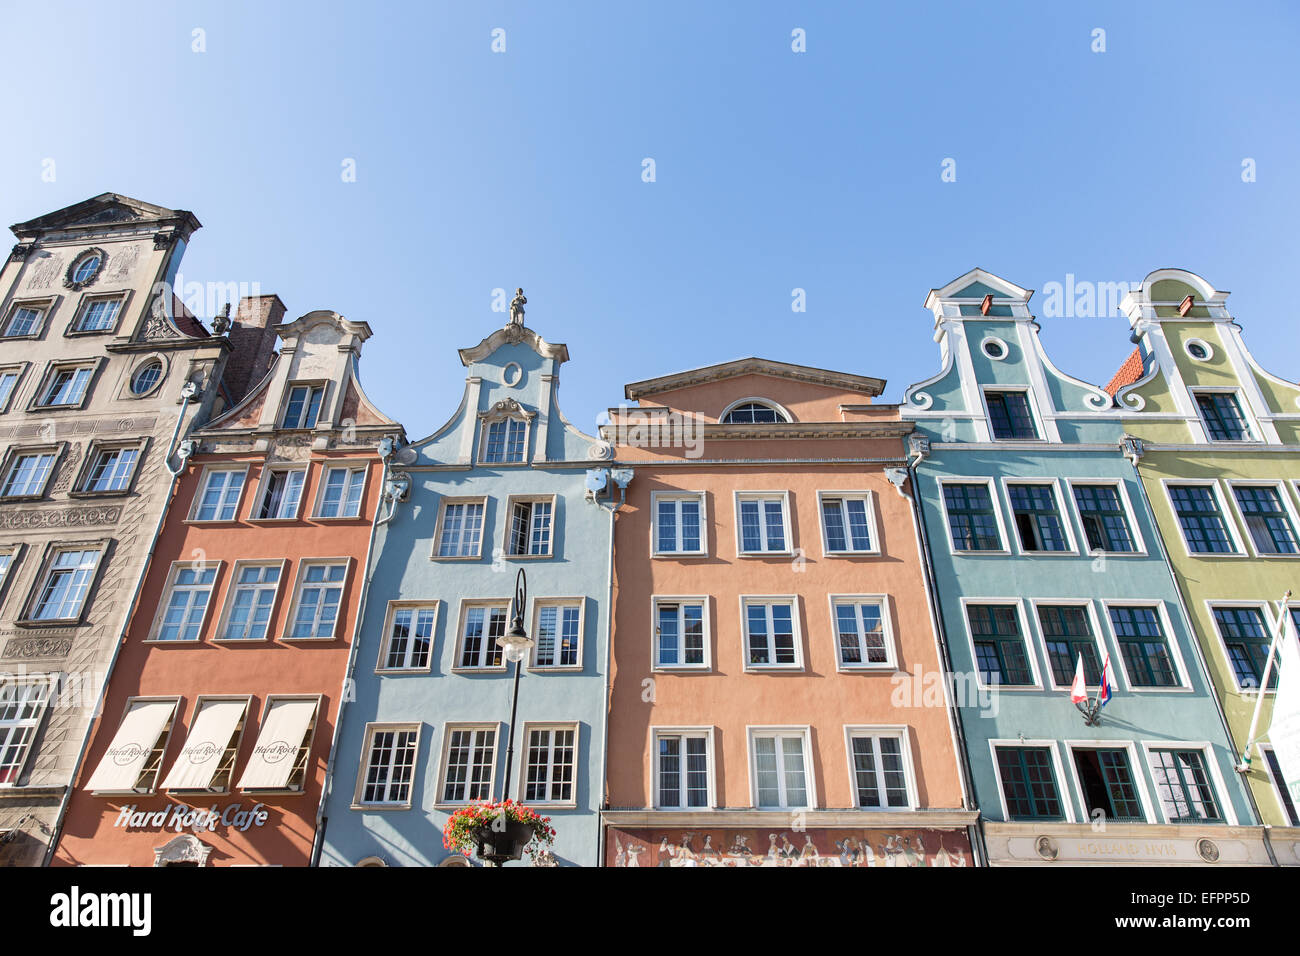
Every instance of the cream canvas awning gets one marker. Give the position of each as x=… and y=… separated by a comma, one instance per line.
x=132, y=744
x=283, y=728
x=210, y=734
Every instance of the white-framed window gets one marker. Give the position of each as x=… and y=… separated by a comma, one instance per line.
x=683, y=768
x=1031, y=780
x=481, y=623
x=1245, y=630
x=504, y=441
x=26, y=319
x=98, y=314
x=341, y=490
x=280, y=758
x=319, y=596
x=27, y=472
x=1221, y=414
x=65, y=386
x=110, y=469
x=681, y=632
x=1203, y=518
x=8, y=557
x=408, y=631
x=781, y=774
x=469, y=763
x=880, y=768
x=1106, y=516
x=973, y=515
x=530, y=532
x=206, y=762
x=133, y=760
x=1108, y=781
x=1040, y=522
x=848, y=522
x=302, y=405
x=218, y=497
x=280, y=494
x=250, y=601
x=753, y=411
x=10, y=376
x=771, y=630
x=460, y=529
x=557, y=630
x=1280, y=791
x=550, y=764
x=679, y=524
x=1148, y=648
x=1070, y=632
x=863, y=633
x=22, y=705
x=1011, y=414
x=184, y=606
x=1187, y=782
x=1270, y=518
x=763, y=522
x=386, y=775
x=64, y=585
x=999, y=637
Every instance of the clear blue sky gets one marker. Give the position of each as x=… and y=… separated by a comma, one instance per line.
x=774, y=170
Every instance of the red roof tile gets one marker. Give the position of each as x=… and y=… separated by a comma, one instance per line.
x=1128, y=373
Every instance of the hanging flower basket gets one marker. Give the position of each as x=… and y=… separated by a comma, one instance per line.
x=497, y=831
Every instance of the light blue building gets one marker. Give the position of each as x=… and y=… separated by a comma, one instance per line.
x=1043, y=553
x=501, y=486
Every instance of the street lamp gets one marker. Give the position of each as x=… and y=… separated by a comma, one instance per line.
x=516, y=643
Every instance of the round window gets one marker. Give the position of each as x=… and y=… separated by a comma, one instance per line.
x=146, y=377
x=1197, y=351
x=87, y=268
x=995, y=348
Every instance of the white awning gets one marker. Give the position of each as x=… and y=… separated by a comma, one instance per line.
x=283, y=728
x=209, y=738
x=132, y=744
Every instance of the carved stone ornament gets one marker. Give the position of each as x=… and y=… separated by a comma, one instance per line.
x=76, y=261
x=21, y=251
x=1207, y=850
x=1046, y=848
x=157, y=326
x=184, y=849
x=30, y=648
x=514, y=334
x=600, y=451
x=161, y=240
x=28, y=519
x=517, y=308
x=506, y=408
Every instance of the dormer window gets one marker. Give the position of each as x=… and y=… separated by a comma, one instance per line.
x=303, y=406
x=504, y=439
x=752, y=412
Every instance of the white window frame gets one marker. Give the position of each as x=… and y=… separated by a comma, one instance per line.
x=1031, y=647
x=232, y=591
x=1063, y=793
x=784, y=498
x=43, y=306
x=1288, y=508
x=1206, y=750
x=781, y=411
x=705, y=731
x=197, y=504
x=1135, y=768
x=304, y=751
x=522, y=769
x=1098, y=639
x=97, y=449
x=1265, y=609
x=487, y=423
x=232, y=748
x=560, y=603
x=17, y=452
x=1130, y=516
x=300, y=581
x=698, y=496
x=994, y=498
x=1071, y=542
x=358, y=803
x=903, y=734
x=350, y=467
x=438, y=528
x=795, y=606
x=1171, y=639
x=443, y=767
x=84, y=306
x=704, y=601
x=47, y=382
x=14, y=551
x=164, y=735
x=52, y=551
x=173, y=572
x=264, y=490
x=509, y=521
x=390, y=616
x=886, y=630
x=1247, y=415
x=462, y=617
x=9, y=729
x=869, y=500
x=1225, y=510
x=804, y=733
x=18, y=370
x=1264, y=750
x=310, y=385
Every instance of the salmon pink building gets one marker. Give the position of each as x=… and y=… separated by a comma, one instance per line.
x=777, y=687
x=212, y=745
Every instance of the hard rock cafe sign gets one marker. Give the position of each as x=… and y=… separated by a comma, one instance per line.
x=179, y=817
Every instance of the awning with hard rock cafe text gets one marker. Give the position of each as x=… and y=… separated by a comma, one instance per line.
x=132, y=744
x=209, y=738
x=283, y=728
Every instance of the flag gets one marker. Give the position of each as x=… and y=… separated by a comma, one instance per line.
x=1284, y=729
x=1079, y=689
x=1107, y=683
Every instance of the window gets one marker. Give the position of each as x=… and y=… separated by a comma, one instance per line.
x=1266, y=519
x=1106, y=782
x=861, y=633
x=771, y=634
x=680, y=633
x=1010, y=416
x=846, y=524
x=1284, y=797
x=410, y=637
x=1068, y=635
x=28, y=473
x=1198, y=350
x=1000, y=652
x=558, y=631
x=482, y=625
x=780, y=770
x=281, y=492
x=24, y=320
x=207, y=758
x=97, y=315
x=22, y=705
x=1104, y=519
x=1183, y=786
x=529, y=532
x=134, y=757
x=460, y=528
x=219, y=498
x=504, y=441
x=146, y=377
x=762, y=523
x=390, y=765
x=111, y=470
x=65, y=387
x=7, y=557
x=62, y=593
x=752, y=413
x=469, y=764
x=303, y=406
x=1029, y=783
x=1247, y=642
x=320, y=590
x=551, y=756
x=1221, y=416
x=1038, y=521
x=678, y=524
x=681, y=770
x=1204, y=530
x=1144, y=647
x=972, y=522
x=186, y=603
x=251, y=600
x=879, y=771
x=86, y=268
x=283, y=749
x=8, y=382
x=340, y=495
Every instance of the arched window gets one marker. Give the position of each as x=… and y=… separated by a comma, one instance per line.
x=754, y=411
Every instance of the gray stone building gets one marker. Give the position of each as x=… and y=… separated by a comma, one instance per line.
x=103, y=371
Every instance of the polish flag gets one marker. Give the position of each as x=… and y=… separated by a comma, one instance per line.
x=1079, y=689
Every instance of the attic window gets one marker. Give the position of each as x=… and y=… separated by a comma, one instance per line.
x=753, y=412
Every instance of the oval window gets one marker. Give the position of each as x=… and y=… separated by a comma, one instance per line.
x=1197, y=351
x=146, y=377
x=994, y=349
x=86, y=268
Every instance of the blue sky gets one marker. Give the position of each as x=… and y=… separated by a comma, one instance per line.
x=774, y=170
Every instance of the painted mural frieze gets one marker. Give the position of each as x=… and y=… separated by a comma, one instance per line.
x=812, y=848
x=60, y=518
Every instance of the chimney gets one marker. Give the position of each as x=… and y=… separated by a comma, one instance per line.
x=252, y=338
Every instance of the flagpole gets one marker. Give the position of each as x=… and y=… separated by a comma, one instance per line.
x=1244, y=766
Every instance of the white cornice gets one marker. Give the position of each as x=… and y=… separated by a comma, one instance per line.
x=513, y=335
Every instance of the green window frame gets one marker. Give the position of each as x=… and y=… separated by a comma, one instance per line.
x=972, y=522
x=1067, y=633
x=1029, y=784
x=1104, y=520
x=1107, y=783
x=1000, y=652
x=1010, y=416
x=1247, y=641
x=1199, y=515
x=1266, y=519
x=1222, y=417
x=1037, y=518
x=1144, y=646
